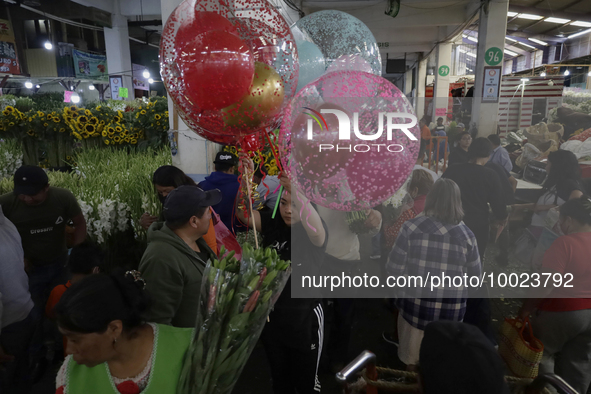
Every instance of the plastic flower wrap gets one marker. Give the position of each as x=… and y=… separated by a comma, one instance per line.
x=236, y=299
x=400, y=201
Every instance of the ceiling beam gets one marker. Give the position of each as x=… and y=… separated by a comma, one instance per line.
x=153, y=22
x=573, y=3
x=550, y=13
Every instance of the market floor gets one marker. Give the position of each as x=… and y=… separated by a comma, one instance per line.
x=372, y=318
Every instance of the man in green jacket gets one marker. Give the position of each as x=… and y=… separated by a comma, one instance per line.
x=175, y=259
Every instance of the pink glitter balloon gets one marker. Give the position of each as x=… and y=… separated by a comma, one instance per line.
x=191, y=63
x=349, y=140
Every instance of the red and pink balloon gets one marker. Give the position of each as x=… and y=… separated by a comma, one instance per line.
x=230, y=67
x=349, y=140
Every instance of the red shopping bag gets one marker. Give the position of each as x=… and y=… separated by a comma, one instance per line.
x=224, y=237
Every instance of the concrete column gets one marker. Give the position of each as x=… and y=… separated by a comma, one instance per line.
x=118, y=52
x=421, y=83
x=491, y=33
x=442, y=76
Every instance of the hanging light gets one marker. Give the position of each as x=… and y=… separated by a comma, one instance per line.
x=75, y=98
x=566, y=73
x=28, y=85
x=150, y=80
x=146, y=74
x=589, y=74
x=543, y=74
x=38, y=86
x=91, y=87
x=48, y=45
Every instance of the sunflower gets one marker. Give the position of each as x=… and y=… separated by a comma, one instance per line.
x=73, y=108
x=30, y=119
x=102, y=122
x=84, y=134
x=93, y=120
x=11, y=124
x=118, y=129
x=111, y=135
x=104, y=133
x=133, y=141
x=49, y=117
x=41, y=114
x=77, y=135
x=127, y=139
x=68, y=158
x=89, y=128
x=135, y=136
x=9, y=108
x=143, y=112
x=117, y=139
x=6, y=113
x=157, y=117
x=117, y=119
x=82, y=119
x=87, y=112
x=99, y=107
x=62, y=130
x=107, y=142
x=56, y=119
x=158, y=123
x=120, y=114
x=45, y=125
x=31, y=133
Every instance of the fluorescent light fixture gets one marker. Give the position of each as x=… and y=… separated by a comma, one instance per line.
x=146, y=73
x=566, y=73
x=524, y=80
x=510, y=39
x=38, y=86
x=464, y=36
x=530, y=16
x=462, y=50
x=538, y=41
x=150, y=80
x=525, y=45
x=579, y=33
x=474, y=39
x=543, y=74
x=510, y=53
x=556, y=20
x=511, y=14
x=471, y=54
x=580, y=24
x=28, y=85
x=470, y=69
x=91, y=87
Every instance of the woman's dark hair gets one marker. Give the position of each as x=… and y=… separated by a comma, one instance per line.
x=564, y=166
x=170, y=176
x=579, y=209
x=481, y=147
x=494, y=139
x=85, y=257
x=89, y=305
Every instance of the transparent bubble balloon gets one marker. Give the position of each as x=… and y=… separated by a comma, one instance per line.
x=230, y=68
x=349, y=140
x=337, y=33
x=312, y=63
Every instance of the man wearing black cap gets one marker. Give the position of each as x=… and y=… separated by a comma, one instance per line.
x=176, y=256
x=223, y=178
x=40, y=213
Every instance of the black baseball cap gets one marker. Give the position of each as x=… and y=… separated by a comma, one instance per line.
x=29, y=180
x=226, y=158
x=457, y=358
x=182, y=202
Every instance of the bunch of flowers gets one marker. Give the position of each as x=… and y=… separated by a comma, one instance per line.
x=11, y=122
x=236, y=299
x=151, y=118
x=11, y=157
x=399, y=202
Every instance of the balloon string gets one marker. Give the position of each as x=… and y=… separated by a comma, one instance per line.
x=307, y=206
x=273, y=151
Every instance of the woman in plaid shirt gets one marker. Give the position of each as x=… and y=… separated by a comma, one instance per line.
x=430, y=245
